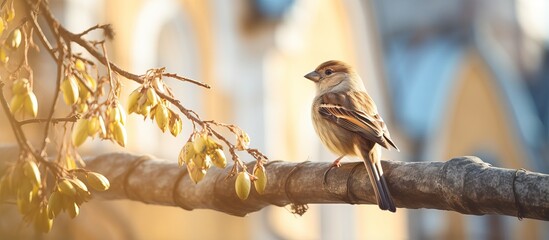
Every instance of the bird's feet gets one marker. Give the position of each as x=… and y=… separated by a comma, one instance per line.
x=335, y=164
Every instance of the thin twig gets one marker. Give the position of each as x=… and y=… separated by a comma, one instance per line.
x=72, y=118
x=109, y=70
x=175, y=76
x=59, y=79
x=91, y=29
x=42, y=36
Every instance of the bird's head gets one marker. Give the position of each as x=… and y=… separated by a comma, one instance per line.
x=333, y=75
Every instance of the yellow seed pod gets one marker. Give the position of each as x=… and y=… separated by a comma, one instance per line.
x=132, y=100
x=152, y=97
x=21, y=86
x=200, y=143
x=93, y=126
x=6, y=184
x=186, y=154
x=55, y=204
x=2, y=26
x=195, y=173
x=144, y=110
x=119, y=133
x=17, y=102
x=65, y=187
x=15, y=38
x=10, y=13
x=98, y=181
x=80, y=65
x=80, y=132
x=78, y=185
x=261, y=182
x=114, y=114
x=12, y=181
x=218, y=158
x=82, y=106
x=24, y=198
x=30, y=169
x=121, y=113
x=4, y=58
x=242, y=185
x=162, y=117
x=203, y=161
x=82, y=193
x=83, y=92
x=110, y=131
x=211, y=145
x=31, y=104
x=142, y=100
x=71, y=207
x=153, y=111
x=69, y=87
x=69, y=162
x=42, y=222
x=82, y=197
x=175, y=124
x=102, y=127
x=90, y=81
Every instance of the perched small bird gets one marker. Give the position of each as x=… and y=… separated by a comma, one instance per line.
x=347, y=122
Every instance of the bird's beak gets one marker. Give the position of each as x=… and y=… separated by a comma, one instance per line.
x=313, y=76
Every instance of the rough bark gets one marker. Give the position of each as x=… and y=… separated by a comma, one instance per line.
x=464, y=184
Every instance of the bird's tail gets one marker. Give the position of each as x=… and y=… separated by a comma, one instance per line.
x=375, y=172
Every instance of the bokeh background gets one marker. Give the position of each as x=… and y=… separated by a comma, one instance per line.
x=450, y=78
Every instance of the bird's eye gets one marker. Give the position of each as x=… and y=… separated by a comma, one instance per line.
x=328, y=71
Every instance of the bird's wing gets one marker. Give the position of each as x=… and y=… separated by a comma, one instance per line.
x=358, y=115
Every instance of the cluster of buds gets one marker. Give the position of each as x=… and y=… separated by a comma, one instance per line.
x=116, y=129
x=95, y=125
x=199, y=153
x=71, y=193
x=78, y=87
x=13, y=41
x=24, y=182
x=146, y=102
x=23, y=99
x=202, y=151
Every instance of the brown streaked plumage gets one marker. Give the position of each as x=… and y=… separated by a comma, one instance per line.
x=347, y=122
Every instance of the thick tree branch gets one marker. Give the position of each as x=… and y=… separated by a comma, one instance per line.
x=465, y=184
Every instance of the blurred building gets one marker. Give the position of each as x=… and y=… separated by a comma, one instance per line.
x=451, y=78
x=467, y=78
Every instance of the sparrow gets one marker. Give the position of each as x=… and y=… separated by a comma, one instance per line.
x=347, y=121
